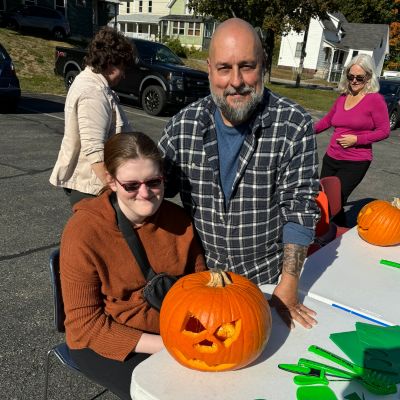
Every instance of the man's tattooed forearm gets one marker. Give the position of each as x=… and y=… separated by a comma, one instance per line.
x=293, y=258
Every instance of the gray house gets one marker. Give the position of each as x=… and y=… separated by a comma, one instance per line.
x=332, y=43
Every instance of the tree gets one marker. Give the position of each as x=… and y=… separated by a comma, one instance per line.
x=394, y=59
x=273, y=17
x=367, y=11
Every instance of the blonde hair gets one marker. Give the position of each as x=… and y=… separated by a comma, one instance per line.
x=366, y=62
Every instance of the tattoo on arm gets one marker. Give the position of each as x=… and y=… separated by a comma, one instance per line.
x=293, y=258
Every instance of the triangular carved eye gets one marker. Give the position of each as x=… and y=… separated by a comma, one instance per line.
x=228, y=332
x=193, y=325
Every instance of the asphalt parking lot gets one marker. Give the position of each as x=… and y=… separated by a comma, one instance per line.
x=32, y=217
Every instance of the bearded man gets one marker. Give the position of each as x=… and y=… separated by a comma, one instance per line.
x=245, y=164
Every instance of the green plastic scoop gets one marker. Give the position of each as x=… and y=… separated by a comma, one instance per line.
x=315, y=393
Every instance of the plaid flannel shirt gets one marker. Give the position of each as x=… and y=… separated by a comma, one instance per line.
x=276, y=182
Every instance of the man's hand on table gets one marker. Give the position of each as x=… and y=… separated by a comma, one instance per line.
x=289, y=309
x=284, y=298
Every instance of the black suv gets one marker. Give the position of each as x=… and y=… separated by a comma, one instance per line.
x=157, y=79
x=36, y=18
x=390, y=90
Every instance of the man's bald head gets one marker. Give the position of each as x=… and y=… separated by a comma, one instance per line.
x=236, y=28
x=236, y=70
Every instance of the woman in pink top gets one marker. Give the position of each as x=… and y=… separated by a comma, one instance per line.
x=359, y=117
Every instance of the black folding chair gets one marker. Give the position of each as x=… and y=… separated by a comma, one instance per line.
x=61, y=351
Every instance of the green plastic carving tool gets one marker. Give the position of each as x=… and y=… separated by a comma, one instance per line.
x=373, y=380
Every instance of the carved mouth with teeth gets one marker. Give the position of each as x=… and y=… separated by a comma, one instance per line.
x=205, y=342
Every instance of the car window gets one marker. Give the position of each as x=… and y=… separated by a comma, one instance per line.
x=35, y=12
x=52, y=14
x=149, y=51
x=164, y=54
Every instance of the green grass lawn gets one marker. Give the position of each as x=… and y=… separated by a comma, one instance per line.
x=314, y=99
x=34, y=61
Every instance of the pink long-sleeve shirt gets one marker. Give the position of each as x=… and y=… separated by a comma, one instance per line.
x=368, y=120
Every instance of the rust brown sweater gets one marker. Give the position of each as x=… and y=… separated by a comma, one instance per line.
x=101, y=281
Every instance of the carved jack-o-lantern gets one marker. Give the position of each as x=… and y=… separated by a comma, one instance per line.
x=215, y=325
x=378, y=222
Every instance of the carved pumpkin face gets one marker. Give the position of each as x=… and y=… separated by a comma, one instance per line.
x=215, y=328
x=378, y=223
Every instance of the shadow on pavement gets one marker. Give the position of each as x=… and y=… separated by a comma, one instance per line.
x=36, y=105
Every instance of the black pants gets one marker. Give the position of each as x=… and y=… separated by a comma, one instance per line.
x=350, y=173
x=113, y=375
x=75, y=196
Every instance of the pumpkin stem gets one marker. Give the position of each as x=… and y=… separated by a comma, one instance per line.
x=396, y=202
x=219, y=278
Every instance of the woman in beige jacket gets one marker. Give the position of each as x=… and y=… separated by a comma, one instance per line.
x=92, y=115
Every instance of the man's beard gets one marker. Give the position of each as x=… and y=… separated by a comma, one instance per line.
x=243, y=110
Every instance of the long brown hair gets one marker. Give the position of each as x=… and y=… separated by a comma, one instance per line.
x=129, y=146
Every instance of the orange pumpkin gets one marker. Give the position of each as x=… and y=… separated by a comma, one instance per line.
x=215, y=321
x=378, y=222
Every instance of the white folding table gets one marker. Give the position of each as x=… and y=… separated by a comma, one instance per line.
x=347, y=273
x=160, y=377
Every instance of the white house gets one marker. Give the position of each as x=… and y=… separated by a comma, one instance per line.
x=141, y=18
x=193, y=31
x=332, y=43
x=154, y=19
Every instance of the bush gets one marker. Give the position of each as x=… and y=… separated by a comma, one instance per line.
x=198, y=54
x=175, y=45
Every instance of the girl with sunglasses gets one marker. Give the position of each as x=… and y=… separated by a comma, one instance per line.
x=110, y=328
x=359, y=117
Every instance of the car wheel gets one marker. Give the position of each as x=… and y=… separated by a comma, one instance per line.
x=394, y=119
x=58, y=34
x=69, y=78
x=12, y=24
x=153, y=100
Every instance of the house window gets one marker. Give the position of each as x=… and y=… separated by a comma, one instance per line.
x=194, y=29
x=208, y=29
x=178, y=28
x=128, y=7
x=355, y=52
x=60, y=6
x=140, y=6
x=299, y=45
x=150, y=8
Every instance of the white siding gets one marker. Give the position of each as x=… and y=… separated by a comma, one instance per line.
x=379, y=54
x=288, y=47
x=159, y=7
x=314, y=44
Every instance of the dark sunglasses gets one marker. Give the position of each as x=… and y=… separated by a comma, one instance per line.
x=134, y=186
x=358, y=78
